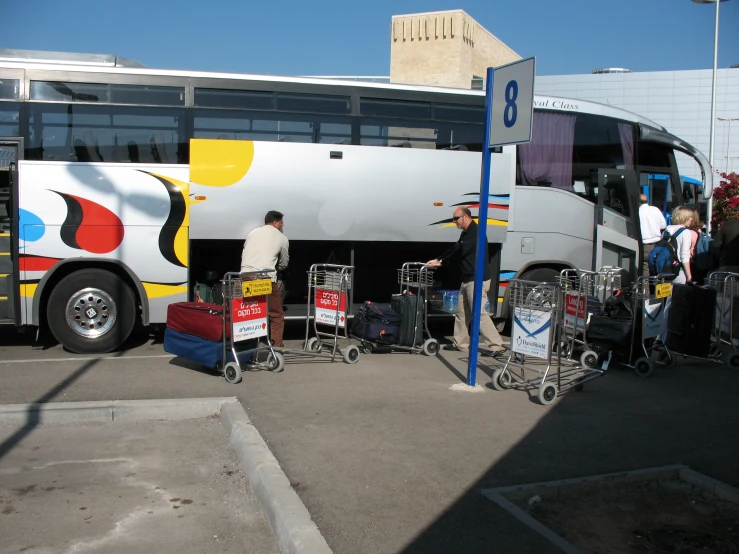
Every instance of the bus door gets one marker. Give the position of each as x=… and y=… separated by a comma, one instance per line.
x=616, y=237
x=659, y=190
x=10, y=152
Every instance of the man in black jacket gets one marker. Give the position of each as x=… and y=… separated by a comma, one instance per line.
x=465, y=249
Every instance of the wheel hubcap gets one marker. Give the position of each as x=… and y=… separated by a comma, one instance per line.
x=91, y=312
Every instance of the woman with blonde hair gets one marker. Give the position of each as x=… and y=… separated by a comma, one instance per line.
x=682, y=220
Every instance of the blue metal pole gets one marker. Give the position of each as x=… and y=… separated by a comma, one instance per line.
x=482, y=236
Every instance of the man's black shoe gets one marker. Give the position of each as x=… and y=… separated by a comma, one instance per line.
x=451, y=347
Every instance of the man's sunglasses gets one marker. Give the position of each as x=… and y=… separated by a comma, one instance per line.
x=456, y=217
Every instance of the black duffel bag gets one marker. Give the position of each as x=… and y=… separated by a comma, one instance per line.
x=376, y=323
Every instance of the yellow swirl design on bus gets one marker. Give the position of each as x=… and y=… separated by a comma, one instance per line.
x=220, y=163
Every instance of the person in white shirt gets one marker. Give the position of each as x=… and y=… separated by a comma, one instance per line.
x=267, y=248
x=652, y=222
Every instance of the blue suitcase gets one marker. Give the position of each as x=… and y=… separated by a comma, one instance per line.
x=203, y=351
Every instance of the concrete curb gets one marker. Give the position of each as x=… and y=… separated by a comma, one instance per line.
x=110, y=411
x=502, y=496
x=295, y=531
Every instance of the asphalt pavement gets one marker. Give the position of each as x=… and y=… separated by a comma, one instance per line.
x=388, y=458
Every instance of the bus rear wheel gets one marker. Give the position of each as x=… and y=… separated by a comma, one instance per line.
x=91, y=311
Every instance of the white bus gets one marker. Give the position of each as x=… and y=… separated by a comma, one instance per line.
x=106, y=220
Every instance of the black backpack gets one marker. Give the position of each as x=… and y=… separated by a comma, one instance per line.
x=376, y=323
x=663, y=258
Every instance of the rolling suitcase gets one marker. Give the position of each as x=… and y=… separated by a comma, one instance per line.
x=411, y=318
x=200, y=319
x=690, y=320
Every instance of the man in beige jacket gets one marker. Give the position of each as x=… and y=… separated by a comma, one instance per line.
x=267, y=248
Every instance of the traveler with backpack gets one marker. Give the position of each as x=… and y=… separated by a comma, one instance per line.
x=652, y=223
x=671, y=253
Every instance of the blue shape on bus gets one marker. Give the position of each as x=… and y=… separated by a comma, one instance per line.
x=32, y=227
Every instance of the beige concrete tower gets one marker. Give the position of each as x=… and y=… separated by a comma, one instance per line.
x=445, y=49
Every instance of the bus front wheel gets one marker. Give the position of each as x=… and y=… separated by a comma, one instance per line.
x=91, y=311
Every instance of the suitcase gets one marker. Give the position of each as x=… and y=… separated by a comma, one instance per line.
x=196, y=349
x=201, y=319
x=411, y=318
x=690, y=320
x=376, y=323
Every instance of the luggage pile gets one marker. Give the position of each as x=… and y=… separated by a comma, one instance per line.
x=195, y=332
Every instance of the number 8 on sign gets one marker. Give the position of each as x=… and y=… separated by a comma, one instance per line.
x=511, y=111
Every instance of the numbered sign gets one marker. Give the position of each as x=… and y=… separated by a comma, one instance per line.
x=511, y=117
x=248, y=318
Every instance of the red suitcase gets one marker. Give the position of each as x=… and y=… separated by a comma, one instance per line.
x=201, y=319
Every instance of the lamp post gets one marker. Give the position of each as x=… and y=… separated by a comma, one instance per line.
x=728, y=140
x=709, y=207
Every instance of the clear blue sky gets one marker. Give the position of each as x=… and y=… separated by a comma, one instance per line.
x=329, y=37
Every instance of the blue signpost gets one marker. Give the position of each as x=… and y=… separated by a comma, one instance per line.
x=509, y=109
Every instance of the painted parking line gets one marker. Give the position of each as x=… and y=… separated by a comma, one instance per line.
x=35, y=360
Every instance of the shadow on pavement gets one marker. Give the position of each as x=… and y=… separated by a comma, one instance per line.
x=33, y=418
x=681, y=415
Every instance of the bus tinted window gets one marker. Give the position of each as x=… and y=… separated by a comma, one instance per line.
x=434, y=135
x=9, y=89
x=469, y=114
x=653, y=155
x=284, y=102
x=393, y=108
x=108, y=94
x=106, y=134
x=9, y=115
x=280, y=127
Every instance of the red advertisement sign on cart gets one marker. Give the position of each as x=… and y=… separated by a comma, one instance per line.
x=249, y=318
x=327, y=301
x=575, y=310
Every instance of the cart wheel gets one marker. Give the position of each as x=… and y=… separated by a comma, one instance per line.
x=563, y=348
x=501, y=379
x=665, y=359
x=589, y=359
x=547, y=393
x=643, y=367
x=275, y=362
x=313, y=345
x=351, y=354
x=232, y=372
x=367, y=347
x=734, y=361
x=431, y=347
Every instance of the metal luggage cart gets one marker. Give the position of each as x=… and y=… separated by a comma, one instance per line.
x=537, y=315
x=727, y=289
x=650, y=299
x=329, y=295
x=417, y=278
x=245, y=309
x=577, y=287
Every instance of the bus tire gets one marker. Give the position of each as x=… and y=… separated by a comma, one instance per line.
x=91, y=311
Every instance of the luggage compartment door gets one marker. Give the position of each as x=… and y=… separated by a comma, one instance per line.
x=616, y=235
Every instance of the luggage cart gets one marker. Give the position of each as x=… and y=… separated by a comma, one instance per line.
x=537, y=315
x=578, y=288
x=245, y=309
x=416, y=278
x=329, y=295
x=727, y=289
x=650, y=297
